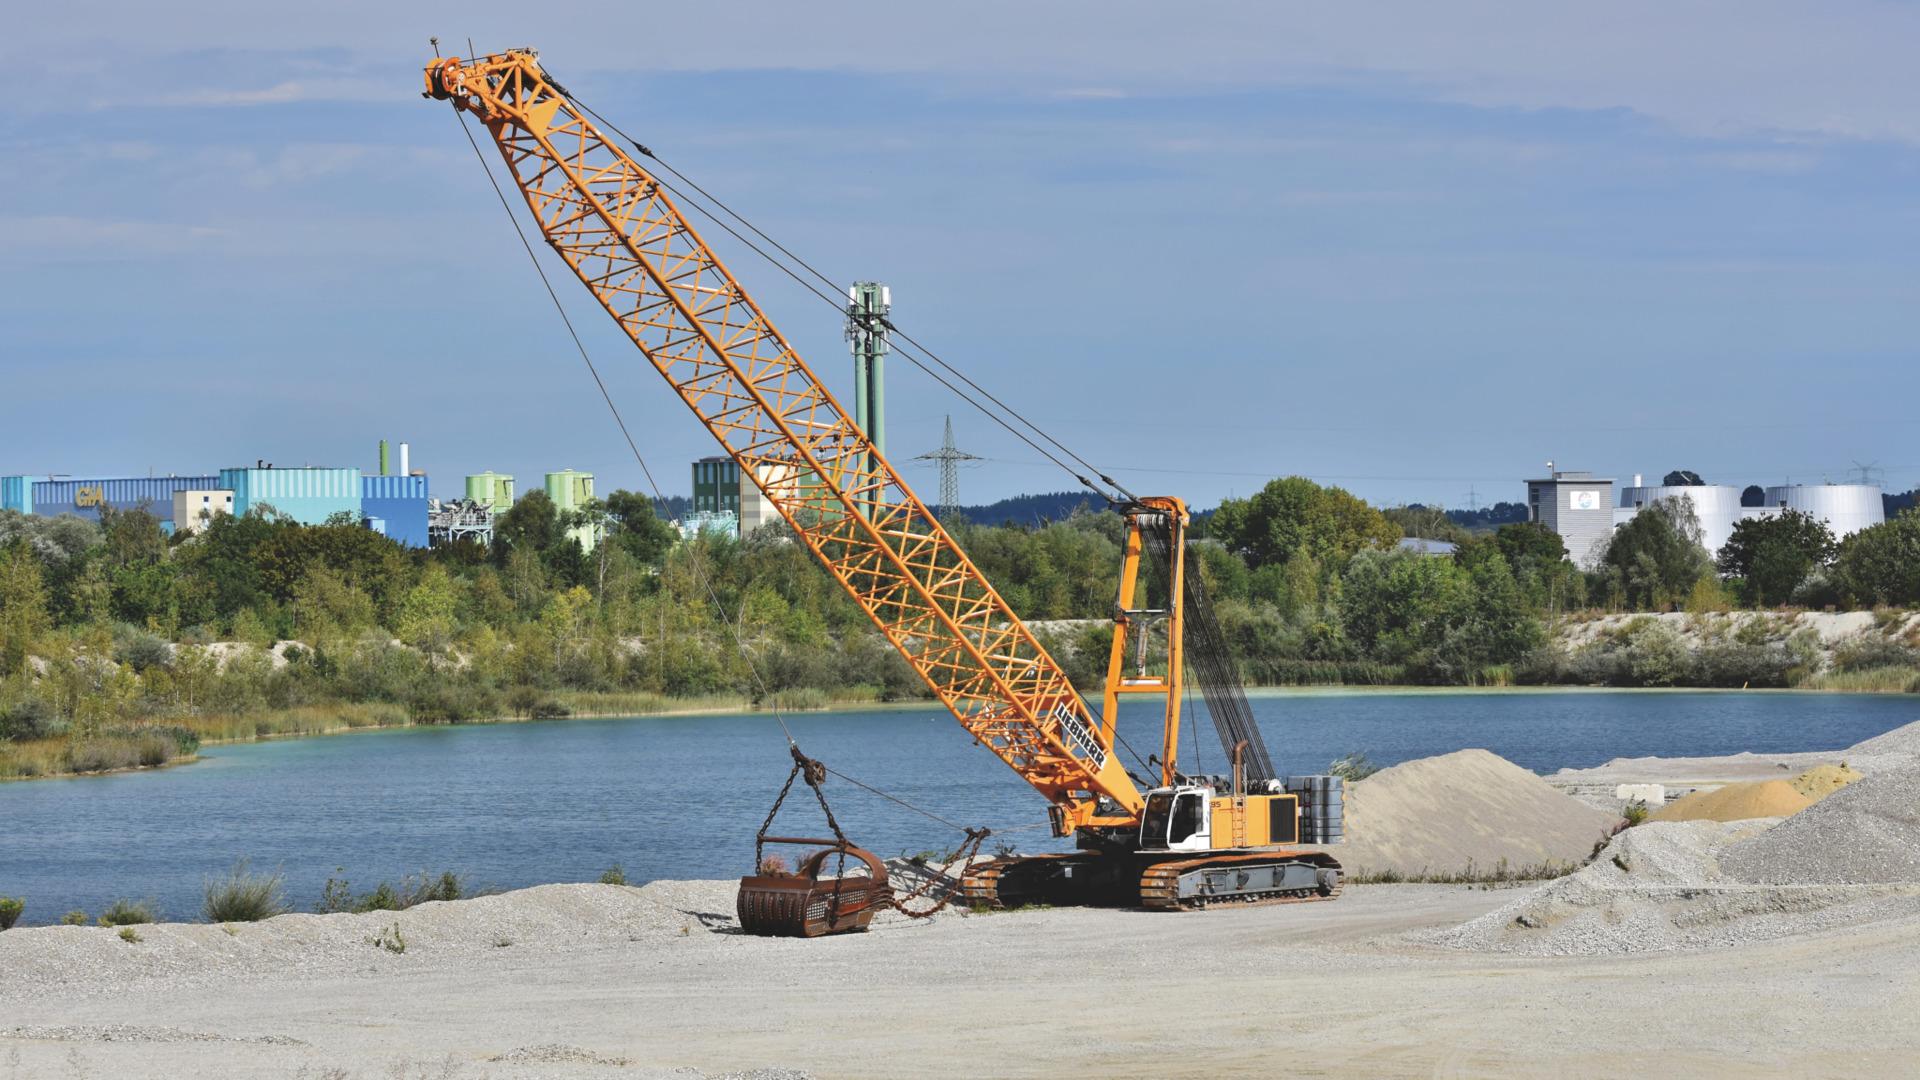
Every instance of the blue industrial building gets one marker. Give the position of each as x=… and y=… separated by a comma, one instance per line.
x=16, y=494
x=306, y=495
x=396, y=507
x=84, y=498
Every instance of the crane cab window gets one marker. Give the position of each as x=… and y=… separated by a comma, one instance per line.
x=1189, y=817
x=1153, y=822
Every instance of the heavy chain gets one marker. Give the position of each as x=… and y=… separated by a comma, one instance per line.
x=968, y=850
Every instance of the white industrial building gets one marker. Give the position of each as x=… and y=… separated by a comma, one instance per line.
x=1579, y=507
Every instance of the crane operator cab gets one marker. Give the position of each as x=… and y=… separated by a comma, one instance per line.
x=1178, y=819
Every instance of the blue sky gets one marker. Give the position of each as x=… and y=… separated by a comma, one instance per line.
x=1410, y=251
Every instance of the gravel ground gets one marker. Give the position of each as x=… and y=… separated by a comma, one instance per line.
x=606, y=981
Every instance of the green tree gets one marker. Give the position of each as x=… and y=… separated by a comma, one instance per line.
x=1294, y=515
x=637, y=528
x=1881, y=564
x=23, y=605
x=426, y=619
x=532, y=523
x=1775, y=553
x=1654, y=559
x=1426, y=522
x=132, y=537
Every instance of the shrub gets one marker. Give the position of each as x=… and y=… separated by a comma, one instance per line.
x=1864, y=652
x=338, y=894
x=76, y=917
x=549, y=709
x=242, y=896
x=129, y=935
x=1352, y=768
x=10, y=908
x=1656, y=655
x=30, y=717
x=614, y=876
x=127, y=913
x=1634, y=812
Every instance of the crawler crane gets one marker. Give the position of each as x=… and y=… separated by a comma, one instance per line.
x=1183, y=842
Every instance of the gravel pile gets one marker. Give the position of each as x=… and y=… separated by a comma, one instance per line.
x=1901, y=740
x=1661, y=887
x=1865, y=833
x=483, y=933
x=1466, y=810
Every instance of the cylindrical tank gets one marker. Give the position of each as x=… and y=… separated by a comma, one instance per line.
x=1716, y=506
x=1846, y=508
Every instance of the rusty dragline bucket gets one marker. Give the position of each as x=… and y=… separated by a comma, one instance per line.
x=807, y=902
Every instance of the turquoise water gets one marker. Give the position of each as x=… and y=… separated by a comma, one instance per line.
x=680, y=797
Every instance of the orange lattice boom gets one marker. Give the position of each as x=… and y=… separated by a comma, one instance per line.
x=613, y=223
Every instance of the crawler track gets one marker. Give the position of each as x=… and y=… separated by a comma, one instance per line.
x=982, y=886
x=1160, y=883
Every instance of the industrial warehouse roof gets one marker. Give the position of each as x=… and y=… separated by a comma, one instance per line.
x=1420, y=545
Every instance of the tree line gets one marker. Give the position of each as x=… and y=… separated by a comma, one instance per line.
x=111, y=623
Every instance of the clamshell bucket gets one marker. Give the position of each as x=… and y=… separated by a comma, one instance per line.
x=806, y=904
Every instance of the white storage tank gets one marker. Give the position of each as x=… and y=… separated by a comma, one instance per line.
x=1846, y=508
x=1717, y=506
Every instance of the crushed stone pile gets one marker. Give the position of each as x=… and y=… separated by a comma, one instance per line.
x=1823, y=780
x=1470, y=809
x=1867, y=833
x=1901, y=740
x=1664, y=886
x=1736, y=802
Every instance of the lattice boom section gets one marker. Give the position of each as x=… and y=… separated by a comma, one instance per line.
x=616, y=227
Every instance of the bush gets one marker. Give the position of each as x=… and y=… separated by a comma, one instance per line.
x=10, y=908
x=242, y=896
x=614, y=876
x=127, y=913
x=338, y=894
x=1354, y=767
x=30, y=717
x=76, y=917
x=549, y=709
x=1864, y=652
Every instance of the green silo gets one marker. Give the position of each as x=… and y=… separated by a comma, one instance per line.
x=491, y=489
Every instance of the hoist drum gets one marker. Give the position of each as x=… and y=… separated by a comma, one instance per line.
x=821, y=896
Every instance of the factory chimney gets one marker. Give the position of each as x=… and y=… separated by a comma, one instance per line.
x=383, y=457
x=403, y=461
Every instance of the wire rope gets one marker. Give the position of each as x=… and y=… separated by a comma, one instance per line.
x=700, y=573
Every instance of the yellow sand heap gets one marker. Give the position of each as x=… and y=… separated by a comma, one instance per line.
x=1823, y=780
x=1736, y=802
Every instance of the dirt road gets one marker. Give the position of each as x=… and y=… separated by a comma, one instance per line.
x=602, y=981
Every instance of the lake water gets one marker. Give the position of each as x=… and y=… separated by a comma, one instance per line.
x=680, y=797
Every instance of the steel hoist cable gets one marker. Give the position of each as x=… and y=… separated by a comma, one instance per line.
x=833, y=299
x=700, y=573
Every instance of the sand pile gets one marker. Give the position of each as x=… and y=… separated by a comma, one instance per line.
x=1664, y=886
x=1736, y=802
x=1823, y=780
x=1468, y=809
x=1865, y=833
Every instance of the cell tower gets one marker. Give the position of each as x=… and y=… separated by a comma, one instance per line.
x=949, y=458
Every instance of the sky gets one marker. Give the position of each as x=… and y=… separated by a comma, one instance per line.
x=1415, y=250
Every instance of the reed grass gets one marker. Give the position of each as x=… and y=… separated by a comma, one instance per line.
x=1881, y=680
x=244, y=896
